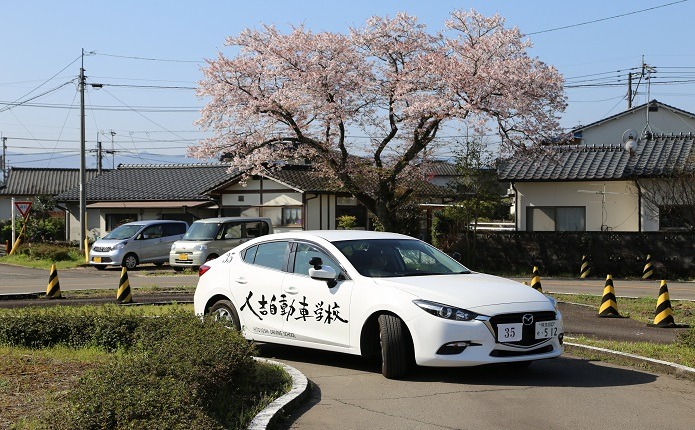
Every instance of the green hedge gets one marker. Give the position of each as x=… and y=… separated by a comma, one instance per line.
x=174, y=371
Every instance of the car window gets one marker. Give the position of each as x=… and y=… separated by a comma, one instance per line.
x=152, y=232
x=173, y=228
x=270, y=254
x=305, y=252
x=397, y=257
x=249, y=254
x=256, y=229
x=230, y=231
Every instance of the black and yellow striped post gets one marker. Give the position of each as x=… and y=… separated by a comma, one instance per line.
x=664, y=311
x=648, y=270
x=536, y=280
x=123, y=295
x=609, y=304
x=53, y=288
x=586, y=268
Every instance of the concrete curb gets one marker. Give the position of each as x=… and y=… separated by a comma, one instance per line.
x=298, y=392
x=666, y=366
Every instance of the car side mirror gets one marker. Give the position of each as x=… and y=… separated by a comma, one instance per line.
x=325, y=273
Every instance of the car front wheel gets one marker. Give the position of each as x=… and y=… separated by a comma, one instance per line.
x=130, y=261
x=396, y=347
x=224, y=312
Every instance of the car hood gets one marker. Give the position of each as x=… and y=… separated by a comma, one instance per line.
x=477, y=292
x=103, y=243
x=188, y=245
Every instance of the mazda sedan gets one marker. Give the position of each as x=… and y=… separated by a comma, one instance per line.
x=380, y=295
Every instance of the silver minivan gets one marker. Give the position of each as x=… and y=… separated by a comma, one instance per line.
x=209, y=238
x=137, y=242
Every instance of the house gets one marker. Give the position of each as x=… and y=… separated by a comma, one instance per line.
x=295, y=197
x=654, y=117
x=632, y=188
x=25, y=184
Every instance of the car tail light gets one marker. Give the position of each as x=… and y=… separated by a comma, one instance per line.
x=202, y=269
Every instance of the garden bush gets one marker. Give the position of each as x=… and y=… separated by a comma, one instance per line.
x=172, y=371
x=49, y=251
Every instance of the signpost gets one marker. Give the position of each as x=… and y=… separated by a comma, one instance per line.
x=23, y=208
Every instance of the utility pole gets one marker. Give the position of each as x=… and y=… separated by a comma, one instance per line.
x=3, y=162
x=83, y=163
x=99, y=156
x=629, y=90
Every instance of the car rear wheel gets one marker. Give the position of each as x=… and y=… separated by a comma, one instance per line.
x=224, y=312
x=396, y=347
x=100, y=267
x=130, y=261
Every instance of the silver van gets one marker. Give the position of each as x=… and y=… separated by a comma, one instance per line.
x=137, y=242
x=209, y=238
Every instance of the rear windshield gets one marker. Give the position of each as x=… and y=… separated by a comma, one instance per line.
x=202, y=231
x=123, y=232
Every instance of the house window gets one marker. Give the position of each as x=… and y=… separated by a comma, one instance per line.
x=358, y=211
x=292, y=216
x=677, y=217
x=556, y=218
x=114, y=220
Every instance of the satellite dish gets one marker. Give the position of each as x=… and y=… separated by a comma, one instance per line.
x=630, y=140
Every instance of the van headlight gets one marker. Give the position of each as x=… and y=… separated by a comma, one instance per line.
x=119, y=245
x=202, y=247
x=445, y=311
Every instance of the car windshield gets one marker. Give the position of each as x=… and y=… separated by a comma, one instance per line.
x=383, y=258
x=202, y=231
x=123, y=232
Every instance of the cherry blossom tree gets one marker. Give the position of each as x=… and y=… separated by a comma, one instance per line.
x=366, y=107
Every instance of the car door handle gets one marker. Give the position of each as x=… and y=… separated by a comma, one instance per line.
x=240, y=280
x=291, y=290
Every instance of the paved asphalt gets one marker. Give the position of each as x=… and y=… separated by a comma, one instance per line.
x=348, y=392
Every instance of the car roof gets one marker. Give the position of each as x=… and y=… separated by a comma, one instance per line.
x=153, y=221
x=230, y=218
x=337, y=235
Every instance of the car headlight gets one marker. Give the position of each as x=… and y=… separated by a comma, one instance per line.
x=173, y=247
x=200, y=247
x=119, y=245
x=445, y=311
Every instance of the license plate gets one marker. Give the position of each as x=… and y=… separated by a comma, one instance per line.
x=183, y=256
x=509, y=332
x=547, y=329
x=97, y=259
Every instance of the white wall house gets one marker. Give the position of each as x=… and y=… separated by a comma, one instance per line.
x=293, y=198
x=654, y=117
x=602, y=188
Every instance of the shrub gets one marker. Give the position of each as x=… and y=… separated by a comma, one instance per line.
x=183, y=373
x=48, y=251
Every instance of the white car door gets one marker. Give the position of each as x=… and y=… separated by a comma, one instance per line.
x=256, y=284
x=313, y=310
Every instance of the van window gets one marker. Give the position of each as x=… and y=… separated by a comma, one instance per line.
x=173, y=228
x=256, y=229
x=152, y=232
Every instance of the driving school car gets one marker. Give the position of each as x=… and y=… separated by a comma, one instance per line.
x=378, y=295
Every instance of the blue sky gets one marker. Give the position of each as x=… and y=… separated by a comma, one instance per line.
x=43, y=41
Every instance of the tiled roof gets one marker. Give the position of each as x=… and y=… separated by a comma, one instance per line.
x=153, y=182
x=309, y=181
x=660, y=156
x=25, y=181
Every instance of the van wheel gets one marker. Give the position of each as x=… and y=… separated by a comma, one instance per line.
x=100, y=267
x=224, y=312
x=178, y=268
x=396, y=347
x=211, y=257
x=130, y=261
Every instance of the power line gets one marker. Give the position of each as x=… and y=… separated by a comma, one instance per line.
x=151, y=59
x=605, y=19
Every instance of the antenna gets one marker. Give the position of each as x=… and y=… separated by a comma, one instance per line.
x=647, y=130
x=603, y=193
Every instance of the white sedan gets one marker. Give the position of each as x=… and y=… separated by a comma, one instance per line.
x=377, y=294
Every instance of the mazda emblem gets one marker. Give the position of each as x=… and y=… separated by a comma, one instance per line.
x=527, y=319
